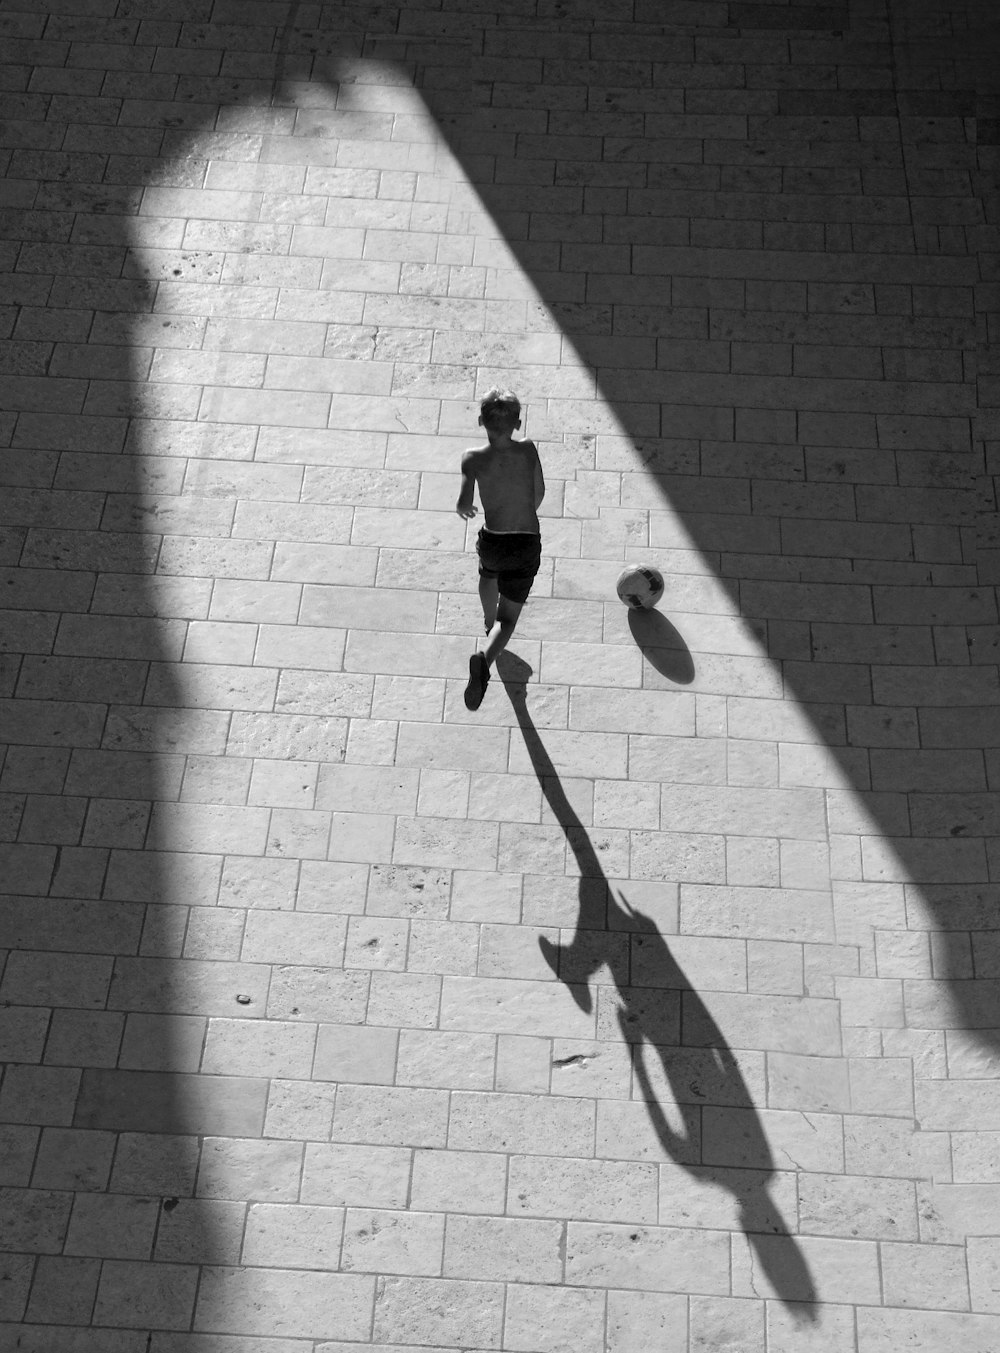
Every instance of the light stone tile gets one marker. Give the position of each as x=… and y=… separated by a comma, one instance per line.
x=589, y=1069
x=254, y=603
x=393, y=1242
x=949, y=1213
x=723, y=1325
x=685, y=857
x=653, y=1259
x=384, y=1115
x=924, y=1331
x=586, y=1190
x=327, y=885
x=789, y=1329
x=439, y=1312
x=317, y=993
x=511, y=1006
x=290, y=784
x=482, y=896
x=929, y=1276
x=389, y=789
x=216, y=779
x=206, y=828
x=870, y=1002
x=322, y=694
x=294, y=937
x=369, y=1175
x=298, y=833
x=807, y=1083
x=297, y=561
x=408, y=891
x=976, y=1157
x=523, y=1064
x=505, y=1249
x=882, y=1086
x=984, y=1272
x=297, y=1235
x=396, y=614
x=430, y=745
x=299, y=1110
x=249, y=1048
x=442, y=946
x=523, y=1123
x=437, y=1059
x=278, y=1302
x=609, y=667
x=774, y=967
x=404, y=999
x=376, y=942
x=504, y=798
x=445, y=842
x=632, y=804
x=361, y=837
x=554, y=1319
x=249, y=1169
x=301, y=646
x=355, y=1053
x=269, y=884
x=408, y=698
x=837, y=1205
x=527, y=848
x=443, y=793
x=756, y=913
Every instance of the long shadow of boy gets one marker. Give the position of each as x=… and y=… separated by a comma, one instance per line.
x=648, y=978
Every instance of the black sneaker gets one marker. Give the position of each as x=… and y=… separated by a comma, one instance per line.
x=479, y=676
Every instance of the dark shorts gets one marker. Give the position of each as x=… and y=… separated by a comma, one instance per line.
x=512, y=557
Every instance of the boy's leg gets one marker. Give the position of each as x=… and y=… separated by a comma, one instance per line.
x=489, y=595
x=500, y=634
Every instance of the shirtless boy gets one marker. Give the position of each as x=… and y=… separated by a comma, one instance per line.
x=511, y=486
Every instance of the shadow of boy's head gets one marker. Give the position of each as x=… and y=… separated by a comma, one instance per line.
x=514, y=672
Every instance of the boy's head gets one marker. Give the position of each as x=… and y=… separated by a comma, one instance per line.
x=500, y=410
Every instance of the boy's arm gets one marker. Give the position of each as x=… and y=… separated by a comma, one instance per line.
x=465, y=507
x=539, y=480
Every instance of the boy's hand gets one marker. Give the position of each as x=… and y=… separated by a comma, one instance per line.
x=466, y=510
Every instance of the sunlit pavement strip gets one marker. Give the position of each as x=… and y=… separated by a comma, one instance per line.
x=289, y=1070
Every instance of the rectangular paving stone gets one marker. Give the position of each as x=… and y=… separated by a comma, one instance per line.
x=439, y=1311
x=880, y=1331
x=362, y=1175
x=530, y=1124
x=293, y=1236
x=512, y=1006
x=285, y=1302
x=393, y=1242
x=585, y=1190
x=647, y=1258
x=140, y=1101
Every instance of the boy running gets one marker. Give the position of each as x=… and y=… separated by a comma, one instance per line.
x=511, y=486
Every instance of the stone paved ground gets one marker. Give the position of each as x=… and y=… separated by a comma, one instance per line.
x=288, y=1070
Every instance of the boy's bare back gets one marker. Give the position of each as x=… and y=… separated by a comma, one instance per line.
x=510, y=484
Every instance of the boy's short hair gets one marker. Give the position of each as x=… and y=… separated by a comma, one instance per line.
x=497, y=395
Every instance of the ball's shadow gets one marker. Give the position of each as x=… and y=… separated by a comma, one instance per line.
x=662, y=645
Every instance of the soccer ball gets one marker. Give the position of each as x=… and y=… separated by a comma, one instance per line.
x=640, y=586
